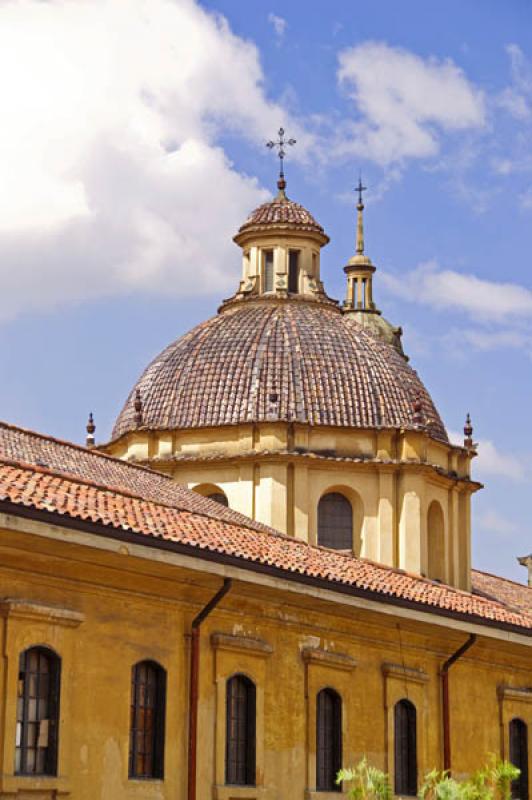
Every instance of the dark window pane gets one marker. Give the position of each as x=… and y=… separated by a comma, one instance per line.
x=240, y=731
x=37, y=712
x=146, y=738
x=519, y=757
x=293, y=271
x=335, y=522
x=405, y=748
x=328, y=740
x=268, y=271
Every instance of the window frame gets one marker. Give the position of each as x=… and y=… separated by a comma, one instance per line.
x=53, y=700
x=157, y=732
x=405, y=749
x=517, y=728
x=241, y=767
x=268, y=271
x=328, y=754
x=326, y=531
x=293, y=271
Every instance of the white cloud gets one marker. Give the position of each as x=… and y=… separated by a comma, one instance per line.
x=493, y=522
x=447, y=289
x=516, y=98
x=493, y=462
x=111, y=176
x=405, y=102
x=279, y=25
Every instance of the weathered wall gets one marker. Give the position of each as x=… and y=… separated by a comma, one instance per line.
x=119, y=609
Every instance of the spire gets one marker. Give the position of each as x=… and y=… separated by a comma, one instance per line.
x=281, y=144
x=360, y=218
x=91, y=428
x=138, y=409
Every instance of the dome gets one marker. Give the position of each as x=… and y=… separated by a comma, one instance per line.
x=278, y=214
x=274, y=360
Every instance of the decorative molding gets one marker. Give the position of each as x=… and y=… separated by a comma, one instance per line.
x=19, y=608
x=243, y=644
x=404, y=673
x=522, y=694
x=315, y=655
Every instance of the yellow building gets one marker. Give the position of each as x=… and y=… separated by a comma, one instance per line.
x=319, y=604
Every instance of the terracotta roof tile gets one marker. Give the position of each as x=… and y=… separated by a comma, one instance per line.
x=512, y=594
x=323, y=372
x=149, y=508
x=281, y=212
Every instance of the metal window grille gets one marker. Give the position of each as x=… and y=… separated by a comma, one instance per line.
x=328, y=740
x=240, y=732
x=219, y=497
x=335, y=522
x=405, y=748
x=268, y=271
x=148, y=701
x=293, y=271
x=37, y=712
x=519, y=757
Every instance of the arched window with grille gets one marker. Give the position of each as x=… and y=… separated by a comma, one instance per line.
x=335, y=522
x=37, y=712
x=328, y=740
x=147, y=720
x=519, y=757
x=405, y=748
x=240, y=731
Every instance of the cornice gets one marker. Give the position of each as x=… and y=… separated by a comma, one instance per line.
x=341, y=661
x=241, y=644
x=404, y=673
x=18, y=608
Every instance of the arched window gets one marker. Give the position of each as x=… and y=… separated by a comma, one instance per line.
x=268, y=271
x=436, y=542
x=293, y=271
x=405, y=748
x=219, y=497
x=335, y=522
x=37, y=712
x=328, y=740
x=240, y=732
x=146, y=733
x=519, y=757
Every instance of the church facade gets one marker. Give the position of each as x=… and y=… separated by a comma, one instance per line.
x=265, y=574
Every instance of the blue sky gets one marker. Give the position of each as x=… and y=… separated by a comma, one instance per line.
x=133, y=146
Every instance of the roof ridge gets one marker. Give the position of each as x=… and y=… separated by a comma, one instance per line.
x=56, y=472
x=92, y=452
x=502, y=578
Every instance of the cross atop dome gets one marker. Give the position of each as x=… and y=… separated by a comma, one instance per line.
x=281, y=143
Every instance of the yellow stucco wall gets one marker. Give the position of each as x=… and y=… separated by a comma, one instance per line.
x=117, y=608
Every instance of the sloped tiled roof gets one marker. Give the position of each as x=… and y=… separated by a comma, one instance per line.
x=281, y=212
x=290, y=361
x=27, y=447
x=512, y=594
x=209, y=533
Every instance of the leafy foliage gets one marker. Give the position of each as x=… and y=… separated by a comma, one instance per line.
x=492, y=782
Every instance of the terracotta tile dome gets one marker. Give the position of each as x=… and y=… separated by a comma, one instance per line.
x=281, y=213
x=266, y=361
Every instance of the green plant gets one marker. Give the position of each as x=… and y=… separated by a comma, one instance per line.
x=492, y=782
x=368, y=783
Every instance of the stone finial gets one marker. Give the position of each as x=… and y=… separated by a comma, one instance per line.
x=91, y=428
x=138, y=409
x=468, y=433
x=417, y=407
x=526, y=561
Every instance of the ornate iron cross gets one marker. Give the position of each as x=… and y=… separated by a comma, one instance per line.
x=360, y=188
x=281, y=144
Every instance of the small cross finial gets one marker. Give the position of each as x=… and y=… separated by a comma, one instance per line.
x=360, y=188
x=91, y=428
x=281, y=143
